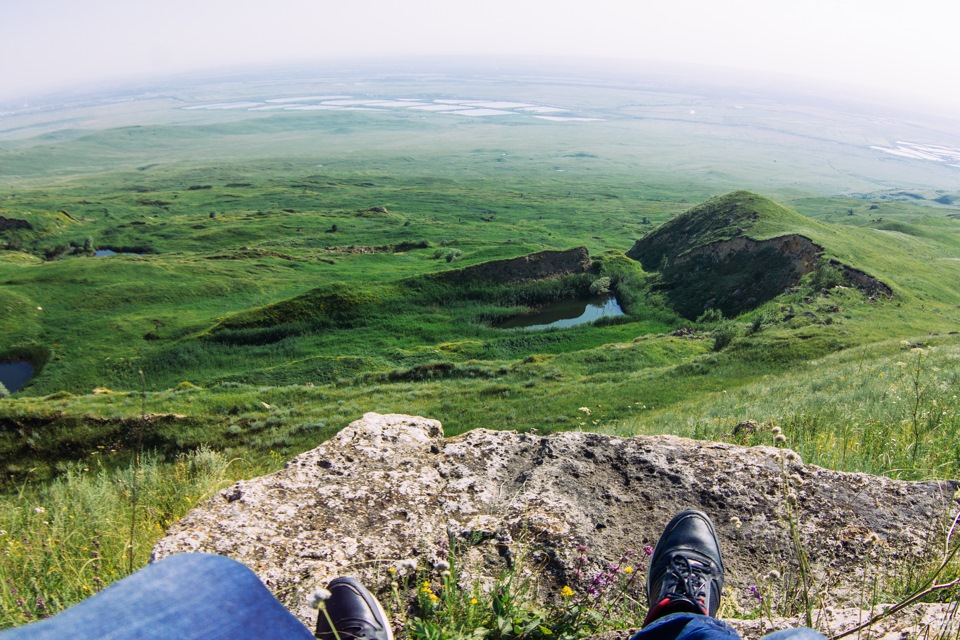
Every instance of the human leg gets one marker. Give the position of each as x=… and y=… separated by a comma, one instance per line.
x=687, y=626
x=188, y=596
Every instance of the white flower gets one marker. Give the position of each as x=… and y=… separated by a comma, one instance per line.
x=318, y=597
x=735, y=521
x=406, y=566
x=586, y=410
x=441, y=565
x=39, y=510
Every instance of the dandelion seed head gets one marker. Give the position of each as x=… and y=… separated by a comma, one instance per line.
x=318, y=597
x=780, y=439
x=441, y=565
x=773, y=576
x=776, y=431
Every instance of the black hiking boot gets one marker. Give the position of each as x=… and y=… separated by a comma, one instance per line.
x=686, y=572
x=354, y=612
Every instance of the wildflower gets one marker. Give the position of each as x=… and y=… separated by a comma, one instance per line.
x=582, y=548
x=628, y=570
x=39, y=510
x=392, y=570
x=318, y=597
x=585, y=410
x=773, y=576
x=407, y=566
x=776, y=431
x=426, y=584
x=433, y=598
x=791, y=456
x=441, y=565
x=756, y=593
x=780, y=439
x=566, y=592
x=647, y=550
x=735, y=521
x=474, y=601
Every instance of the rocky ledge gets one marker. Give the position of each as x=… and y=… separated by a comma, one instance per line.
x=389, y=491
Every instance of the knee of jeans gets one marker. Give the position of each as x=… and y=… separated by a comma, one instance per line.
x=204, y=563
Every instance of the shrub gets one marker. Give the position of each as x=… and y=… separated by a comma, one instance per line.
x=3, y=391
x=453, y=255
x=724, y=334
x=826, y=275
x=710, y=316
x=600, y=286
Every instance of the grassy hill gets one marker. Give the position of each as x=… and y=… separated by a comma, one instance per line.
x=283, y=280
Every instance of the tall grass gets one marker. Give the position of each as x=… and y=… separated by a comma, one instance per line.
x=65, y=540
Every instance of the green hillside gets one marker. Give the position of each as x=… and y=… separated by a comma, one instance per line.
x=271, y=279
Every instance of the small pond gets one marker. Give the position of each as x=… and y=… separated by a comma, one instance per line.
x=567, y=313
x=14, y=375
x=99, y=253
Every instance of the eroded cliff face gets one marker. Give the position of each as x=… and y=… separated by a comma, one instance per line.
x=738, y=274
x=535, y=266
x=391, y=491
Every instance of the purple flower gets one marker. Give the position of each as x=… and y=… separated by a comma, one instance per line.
x=648, y=550
x=582, y=548
x=613, y=568
x=756, y=593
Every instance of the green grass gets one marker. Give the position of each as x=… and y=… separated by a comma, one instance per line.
x=286, y=285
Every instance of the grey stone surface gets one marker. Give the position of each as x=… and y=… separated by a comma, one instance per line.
x=390, y=491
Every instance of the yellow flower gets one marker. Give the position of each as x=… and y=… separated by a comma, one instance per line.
x=434, y=598
x=566, y=592
x=628, y=570
x=426, y=584
x=391, y=570
x=474, y=601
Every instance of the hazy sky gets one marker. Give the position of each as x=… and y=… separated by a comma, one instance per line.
x=907, y=48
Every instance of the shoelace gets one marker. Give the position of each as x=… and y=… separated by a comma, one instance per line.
x=690, y=578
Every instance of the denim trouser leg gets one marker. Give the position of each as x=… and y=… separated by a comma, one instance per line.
x=692, y=626
x=183, y=597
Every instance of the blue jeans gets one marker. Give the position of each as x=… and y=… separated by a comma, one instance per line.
x=691, y=626
x=183, y=597
x=199, y=596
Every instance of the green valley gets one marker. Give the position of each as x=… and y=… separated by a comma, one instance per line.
x=221, y=289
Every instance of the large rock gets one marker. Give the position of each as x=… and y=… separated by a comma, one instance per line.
x=391, y=491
